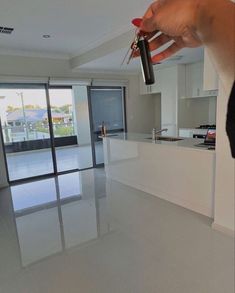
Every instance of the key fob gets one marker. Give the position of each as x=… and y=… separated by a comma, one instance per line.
x=146, y=61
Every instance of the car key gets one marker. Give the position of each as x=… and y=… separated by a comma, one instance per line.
x=146, y=61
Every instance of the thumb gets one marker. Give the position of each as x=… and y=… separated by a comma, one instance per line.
x=149, y=20
x=148, y=25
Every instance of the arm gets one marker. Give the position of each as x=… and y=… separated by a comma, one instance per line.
x=216, y=29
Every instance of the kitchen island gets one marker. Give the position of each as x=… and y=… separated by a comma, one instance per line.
x=177, y=171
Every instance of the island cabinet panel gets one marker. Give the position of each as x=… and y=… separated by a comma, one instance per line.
x=181, y=175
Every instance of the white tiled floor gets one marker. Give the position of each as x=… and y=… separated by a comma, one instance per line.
x=35, y=163
x=82, y=233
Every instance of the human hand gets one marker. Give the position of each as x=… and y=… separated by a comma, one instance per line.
x=177, y=20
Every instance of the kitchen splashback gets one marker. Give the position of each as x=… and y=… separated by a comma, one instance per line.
x=195, y=112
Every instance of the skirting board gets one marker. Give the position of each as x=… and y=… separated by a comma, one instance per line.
x=223, y=230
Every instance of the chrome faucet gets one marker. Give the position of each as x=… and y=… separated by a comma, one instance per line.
x=155, y=132
x=161, y=130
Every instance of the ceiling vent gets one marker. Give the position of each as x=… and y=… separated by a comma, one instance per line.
x=6, y=30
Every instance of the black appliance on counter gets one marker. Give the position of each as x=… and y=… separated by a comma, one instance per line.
x=203, y=126
x=199, y=136
x=210, y=138
x=207, y=126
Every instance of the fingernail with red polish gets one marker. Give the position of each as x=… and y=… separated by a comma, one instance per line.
x=137, y=22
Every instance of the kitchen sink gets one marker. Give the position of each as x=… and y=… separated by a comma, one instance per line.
x=166, y=138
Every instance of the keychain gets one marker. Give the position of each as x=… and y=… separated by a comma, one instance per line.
x=141, y=44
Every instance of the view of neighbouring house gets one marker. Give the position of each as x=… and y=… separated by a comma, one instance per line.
x=31, y=124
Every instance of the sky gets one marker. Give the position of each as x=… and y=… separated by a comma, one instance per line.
x=34, y=97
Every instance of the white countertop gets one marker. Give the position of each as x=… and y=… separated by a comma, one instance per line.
x=141, y=137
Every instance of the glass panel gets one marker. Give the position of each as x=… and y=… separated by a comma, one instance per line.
x=79, y=217
x=70, y=114
x=70, y=185
x=39, y=235
x=33, y=195
x=37, y=220
x=108, y=108
x=25, y=128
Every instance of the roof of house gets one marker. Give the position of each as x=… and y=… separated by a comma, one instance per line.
x=33, y=115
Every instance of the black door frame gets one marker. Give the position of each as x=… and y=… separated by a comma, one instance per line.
x=52, y=141
x=89, y=88
x=48, y=87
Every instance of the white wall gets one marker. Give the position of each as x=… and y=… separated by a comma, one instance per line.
x=3, y=180
x=140, y=110
x=169, y=99
x=3, y=108
x=197, y=111
x=157, y=110
x=81, y=112
x=212, y=110
x=3, y=175
x=225, y=171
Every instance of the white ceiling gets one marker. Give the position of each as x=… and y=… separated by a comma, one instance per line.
x=75, y=27
x=113, y=62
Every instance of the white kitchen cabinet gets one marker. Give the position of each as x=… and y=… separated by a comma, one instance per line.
x=210, y=76
x=151, y=89
x=195, y=81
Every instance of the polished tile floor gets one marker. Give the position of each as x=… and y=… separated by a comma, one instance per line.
x=35, y=163
x=80, y=232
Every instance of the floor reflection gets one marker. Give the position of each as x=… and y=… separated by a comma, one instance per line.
x=59, y=213
x=82, y=233
x=38, y=162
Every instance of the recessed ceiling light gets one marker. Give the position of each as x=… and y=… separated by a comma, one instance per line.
x=46, y=36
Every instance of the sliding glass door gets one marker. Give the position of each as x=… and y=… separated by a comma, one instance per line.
x=25, y=129
x=57, y=129
x=71, y=128
x=107, y=107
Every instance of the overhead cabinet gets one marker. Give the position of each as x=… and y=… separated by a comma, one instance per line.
x=201, y=80
x=195, y=82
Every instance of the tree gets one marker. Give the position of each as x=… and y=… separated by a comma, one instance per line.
x=32, y=107
x=65, y=108
x=12, y=109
